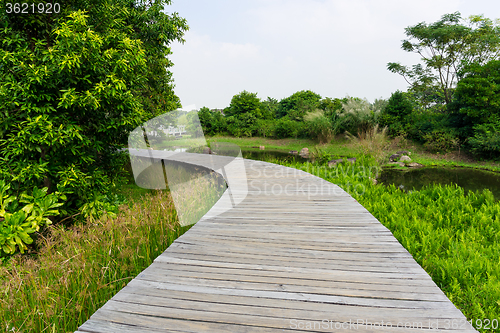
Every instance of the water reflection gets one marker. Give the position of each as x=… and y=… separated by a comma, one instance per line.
x=468, y=179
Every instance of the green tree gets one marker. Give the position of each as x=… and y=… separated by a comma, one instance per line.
x=244, y=102
x=331, y=106
x=73, y=85
x=396, y=112
x=445, y=47
x=298, y=104
x=477, y=100
x=269, y=108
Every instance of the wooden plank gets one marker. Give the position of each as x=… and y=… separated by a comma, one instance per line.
x=279, y=262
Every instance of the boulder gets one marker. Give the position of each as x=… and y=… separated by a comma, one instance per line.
x=304, y=152
x=340, y=160
x=405, y=158
x=394, y=157
x=398, y=163
x=414, y=165
x=403, y=152
x=333, y=163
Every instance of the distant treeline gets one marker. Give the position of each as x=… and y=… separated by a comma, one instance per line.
x=453, y=99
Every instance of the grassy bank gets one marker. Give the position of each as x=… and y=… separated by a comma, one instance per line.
x=78, y=269
x=454, y=236
x=341, y=147
x=73, y=271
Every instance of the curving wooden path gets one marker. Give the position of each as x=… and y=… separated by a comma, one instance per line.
x=297, y=254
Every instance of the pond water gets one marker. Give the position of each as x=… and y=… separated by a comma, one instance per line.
x=468, y=179
x=267, y=155
x=413, y=179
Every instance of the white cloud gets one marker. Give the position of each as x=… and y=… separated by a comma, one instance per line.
x=277, y=47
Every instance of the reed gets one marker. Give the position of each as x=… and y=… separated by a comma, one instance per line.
x=78, y=269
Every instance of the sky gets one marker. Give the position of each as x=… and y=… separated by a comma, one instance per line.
x=274, y=48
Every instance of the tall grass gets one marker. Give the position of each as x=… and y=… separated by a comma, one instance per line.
x=78, y=269
x=372, y=142
x=454, y=236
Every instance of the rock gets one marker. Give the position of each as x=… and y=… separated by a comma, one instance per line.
x=414, y=165
x=293, y=152
x=398, y=163
x=403, y=152
x=405, y=158
x=333, y=163
x=262, y=147
x=337, y=161
x=304, y=152
x=394, y=157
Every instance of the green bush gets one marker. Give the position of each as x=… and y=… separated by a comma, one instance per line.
x=17, y=223
x=319, y=126
x=357, y=115
x=395, y=114
x=440, y=140
x=486, y=140
x=286, y=128
x=298, y=104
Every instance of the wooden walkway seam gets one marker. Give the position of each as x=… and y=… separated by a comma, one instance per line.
x=308, y=259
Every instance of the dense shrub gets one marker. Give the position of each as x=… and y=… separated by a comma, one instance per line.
x=357, y=115
x=395, y=114
x=264, y=128
x=486, y=140
x=319, y=126
x=440, y=140
x=286, y=128
x=297, y=105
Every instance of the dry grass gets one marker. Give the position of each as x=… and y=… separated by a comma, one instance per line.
x=78, y=269
x=372, y=142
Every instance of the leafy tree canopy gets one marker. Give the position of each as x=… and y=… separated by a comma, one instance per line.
x=298, y=104
x=445, y=47
x=244, y=102
x=73, y=85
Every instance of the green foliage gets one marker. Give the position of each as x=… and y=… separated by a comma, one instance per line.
x=16, y=223
x=453, y=235
x=486, y=140
x=73, y=85
x=264, y=128
x=78, y=269
x=357, y=115
x=478, y=93
x=298, y=104
x=477, y=102
x=244, y=103
x=212, y=121
x=440, y=140
x=269, y=108
x=445, y=47
x=286, y=128
x=331, y=106
x=319, y=126
x=395, y=114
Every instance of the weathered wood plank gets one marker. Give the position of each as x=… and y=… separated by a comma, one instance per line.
x=279, y=262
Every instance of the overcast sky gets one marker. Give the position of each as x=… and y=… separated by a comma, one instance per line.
x=277, y=47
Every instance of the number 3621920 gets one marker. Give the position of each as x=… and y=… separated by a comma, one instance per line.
x=31, y=8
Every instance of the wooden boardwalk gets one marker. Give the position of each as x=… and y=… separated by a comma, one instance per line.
x=298, y=254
